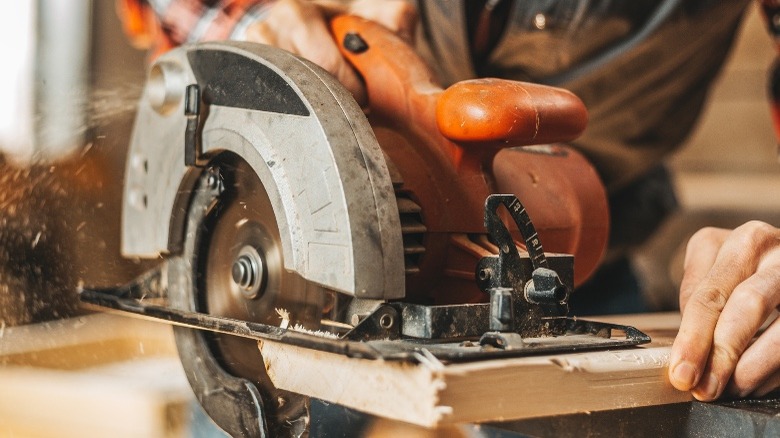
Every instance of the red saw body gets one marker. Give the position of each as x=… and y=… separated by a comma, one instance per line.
x=449, y=149
x=282, y=212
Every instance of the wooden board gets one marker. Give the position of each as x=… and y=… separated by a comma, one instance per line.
x=81, y=342
x=95, y=376
x=434, y=395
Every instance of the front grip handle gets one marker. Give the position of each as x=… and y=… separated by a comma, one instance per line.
x=495, y=113
x=500, y=111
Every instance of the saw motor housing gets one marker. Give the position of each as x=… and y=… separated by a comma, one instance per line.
x=384, y=207
x=391, y=212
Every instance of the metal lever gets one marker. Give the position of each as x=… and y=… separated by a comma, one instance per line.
x=540, y=286
x=535, y=290
x=503, y=238
x=192, y=114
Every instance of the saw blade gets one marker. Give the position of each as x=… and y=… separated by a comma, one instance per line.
x=231, y=266
x=243, y=275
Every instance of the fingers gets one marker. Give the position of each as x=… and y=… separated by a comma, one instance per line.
x=399, y=16
x=725, y=305
x=285, y=19
x=748, y=307
x=300, y=27
x=700, y=255
x=771, y=385
x=758, y=370
x=316, y=44
x=691, y=348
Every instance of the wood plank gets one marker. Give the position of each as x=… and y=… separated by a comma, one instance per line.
x=94, y=376
x=142, y=398
x=84, y=341
x=433, y=395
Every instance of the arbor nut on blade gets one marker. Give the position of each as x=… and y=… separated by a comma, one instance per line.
x=247, y=272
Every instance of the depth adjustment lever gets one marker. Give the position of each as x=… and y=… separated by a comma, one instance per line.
x=529, y=286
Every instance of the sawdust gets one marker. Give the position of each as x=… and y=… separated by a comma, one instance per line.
x=285, y=317
x=59, y=219
x=99, y=106
x=320, y=333
x=106, y=105
x=33, y=253
x=284, y=314
x=59, y=133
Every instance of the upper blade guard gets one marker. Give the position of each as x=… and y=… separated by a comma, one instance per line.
x=305, y=137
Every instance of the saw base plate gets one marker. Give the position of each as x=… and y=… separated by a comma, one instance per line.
x=566, y=334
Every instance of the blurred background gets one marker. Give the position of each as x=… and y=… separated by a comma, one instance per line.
x=727, y=173
x=71, y=82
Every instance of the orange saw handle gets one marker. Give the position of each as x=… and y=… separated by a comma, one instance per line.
x=449, y=148
x=495, y=113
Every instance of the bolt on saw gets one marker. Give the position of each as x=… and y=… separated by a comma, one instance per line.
x=439, y=223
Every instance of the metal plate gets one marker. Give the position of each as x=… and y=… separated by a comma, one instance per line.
x=576, y=335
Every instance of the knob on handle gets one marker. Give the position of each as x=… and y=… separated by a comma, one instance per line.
x=508, y=113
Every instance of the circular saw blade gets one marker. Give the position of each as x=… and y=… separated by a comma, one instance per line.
x=243, y=228
x=228, y=219
x=307, y=195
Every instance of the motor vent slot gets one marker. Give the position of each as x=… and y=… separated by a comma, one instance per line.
x=413, y=231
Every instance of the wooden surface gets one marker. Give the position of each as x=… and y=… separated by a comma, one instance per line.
x=106, y=375
x=433, y=395
x=96, y=376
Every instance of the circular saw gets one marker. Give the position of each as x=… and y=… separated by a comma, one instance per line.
x=283, y=211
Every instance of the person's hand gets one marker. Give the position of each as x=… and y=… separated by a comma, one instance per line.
x=301, y=27
x=730, y=287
